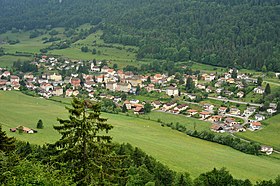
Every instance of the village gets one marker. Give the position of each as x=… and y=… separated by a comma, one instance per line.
x=191, y=96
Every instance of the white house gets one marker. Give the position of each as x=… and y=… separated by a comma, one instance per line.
x=266, y=149
x=258, y=90
x=271, y=110
x=259, y=117
x=172, y=91
x=240, y=94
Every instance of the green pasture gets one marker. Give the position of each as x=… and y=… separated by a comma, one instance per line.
x=7, y=61
x=179, y=151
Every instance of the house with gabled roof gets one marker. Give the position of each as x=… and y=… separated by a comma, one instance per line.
x=258, y=90
x=111, y=86
x=75, y=82
x=172, y=91
x=256, y=125
x=6, y=74
x=123, y=87
x=57, y=91
x=192, y=112
x=259, y=117
x=222, y=110
x=240, y=94
x=266, y=149
x=46, y=87
x=216, y=118
x=168, y=106
x=217, y=128
x=234, y=111
x=204, y=114
x=14, y=79
x=208, y=107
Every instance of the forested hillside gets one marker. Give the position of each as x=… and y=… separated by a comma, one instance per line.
x=239, y=33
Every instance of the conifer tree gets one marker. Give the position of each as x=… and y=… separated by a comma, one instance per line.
x=267, y=89
x=84, y=145
x=124, y=108
x=6, y=144
x=40, y=124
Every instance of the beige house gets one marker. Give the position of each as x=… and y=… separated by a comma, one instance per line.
x=172, y=91
x=57, y=91
x=111, y=86
x=55, y=77
x=123, y=87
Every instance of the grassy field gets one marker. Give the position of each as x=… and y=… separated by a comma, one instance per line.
x=270, y=135
x=189, y=123
x=179, y=151
x=119, y=54
x=26, y=44
x=7, y=61
x=207, y=68
x=115, y=53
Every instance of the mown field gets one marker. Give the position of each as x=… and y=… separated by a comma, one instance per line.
x=7, y=61
x=179, y=151
x=119, y=54
x=269, y=135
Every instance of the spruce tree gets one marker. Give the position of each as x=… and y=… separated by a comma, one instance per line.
x=84, y=144
x=259, y=81
x=267, y=89
x=124, y=108
x=6, y=144
x=40, y=124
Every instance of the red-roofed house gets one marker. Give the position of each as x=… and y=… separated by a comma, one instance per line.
x=204, y=114
x=255, y=125
x=192, y=112
x=14, y=79
x=75, y=82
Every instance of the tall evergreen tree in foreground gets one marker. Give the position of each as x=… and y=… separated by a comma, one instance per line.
x=84, y=145
x=6, y=144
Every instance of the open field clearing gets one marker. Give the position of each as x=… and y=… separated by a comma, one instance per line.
x=179, y=151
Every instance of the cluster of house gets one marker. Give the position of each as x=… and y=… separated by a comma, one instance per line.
x=224, y=119
x=8, y=81
x=51, y=84
x=24, y=129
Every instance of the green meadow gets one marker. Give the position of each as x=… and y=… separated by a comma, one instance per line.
x=179, y=151
x=115, y=53
x=26, y=44
x=119, y=54
x=7, y=61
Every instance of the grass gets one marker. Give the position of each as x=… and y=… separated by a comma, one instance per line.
x=189, y=123
x=269, y=135
x=26, y=44
x=7, y=61
x=179, y=151
x=207, y=68
x=115, y=53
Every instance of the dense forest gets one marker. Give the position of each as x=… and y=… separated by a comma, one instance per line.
x=239, y=33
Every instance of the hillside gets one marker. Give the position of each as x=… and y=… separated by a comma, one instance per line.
x=243, y=34
x=192, y=155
